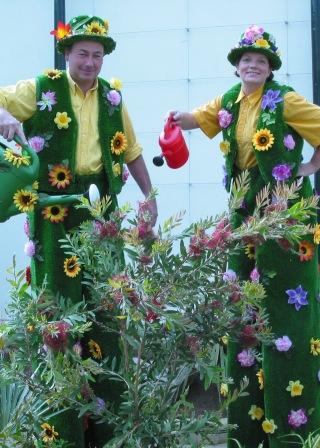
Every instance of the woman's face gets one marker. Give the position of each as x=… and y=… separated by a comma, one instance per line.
x=253, y=68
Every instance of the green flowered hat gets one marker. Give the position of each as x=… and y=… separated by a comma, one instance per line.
x=83, y=28
x=255, y=38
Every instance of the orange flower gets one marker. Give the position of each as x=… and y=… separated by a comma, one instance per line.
x=94, y=349
x=55, y=213
x=59, y=176
x=63, y=30
x=306, y=250
x=71, y=266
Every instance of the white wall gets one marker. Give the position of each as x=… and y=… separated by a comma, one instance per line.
x=171, y=54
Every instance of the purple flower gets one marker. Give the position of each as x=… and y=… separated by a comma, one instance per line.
x=114, y=97
x=297, y=297
x=125, y=175
x=283, y=344
x=30, y=249
x=270, y=99
x=246, y=358
x=254, y=275
x=77, y=348
x=229, y=276
x=100, y=405
x=48, y=99
x=281, y=172
x=26, y=228
x=225, y=176
x=224, y=118
x=37, y=143
x=289, y=142
x=297, y=418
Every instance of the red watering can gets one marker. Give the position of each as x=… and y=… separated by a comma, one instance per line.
x=173, y=146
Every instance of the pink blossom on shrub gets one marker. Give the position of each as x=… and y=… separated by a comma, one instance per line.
x=30, y=248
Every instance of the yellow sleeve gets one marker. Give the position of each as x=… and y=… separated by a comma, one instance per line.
x=19, y=99
x=134, y=149
x=207, y=117
x=303, y=116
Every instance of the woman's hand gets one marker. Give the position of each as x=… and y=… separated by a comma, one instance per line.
x=185, y=120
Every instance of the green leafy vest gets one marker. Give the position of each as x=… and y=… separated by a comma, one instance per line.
x=60, y=144
x=278, y=154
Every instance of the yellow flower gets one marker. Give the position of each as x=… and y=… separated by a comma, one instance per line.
x=224, y=389
x=316, y=234
x=106, y=25
x=52, y=73
x=94, y=349
x=35, y=185
x=260, y=376
x=16, y=159
x=30, y=328
x=55, y=213
x=262, y=43
x=263, y=140
x=250, y=251
x=60, y=176
x=224, y=339
x=306, y=251
x=269, y=426
x=71, y=266
x=225, y=147
x=118, y=143
x=255, y=412
x=115, y=83
x=62, y=120
x=315, y=347
x=295, y=388
x=25, y=200
x=96, y=28
x=116, y=168
x=48, y=434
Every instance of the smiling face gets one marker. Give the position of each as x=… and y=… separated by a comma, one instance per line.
x=85, y=60
x=253, y=69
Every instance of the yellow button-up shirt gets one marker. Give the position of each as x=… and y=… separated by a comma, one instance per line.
x=20, y=101
x=302, y=116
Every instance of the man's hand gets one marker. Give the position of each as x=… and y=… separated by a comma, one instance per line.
x=311, y=167
x=10, y=126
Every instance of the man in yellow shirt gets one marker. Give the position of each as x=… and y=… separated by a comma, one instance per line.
x=82, y=132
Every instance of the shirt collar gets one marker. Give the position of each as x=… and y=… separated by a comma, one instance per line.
x=74, y=86
x=253, y=97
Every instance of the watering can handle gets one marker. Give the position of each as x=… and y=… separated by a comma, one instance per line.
x=18, y=140
x=169, y=124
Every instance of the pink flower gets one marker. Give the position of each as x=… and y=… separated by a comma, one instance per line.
x=108, y=229
x=289, y=142
x=297, y=418
x=114, y=97
x=26, y=228
x=224, y=118
x=254, y=275
x=229, y=276
x=36, y=143
x=246, y=358
x=48, y=99
x=30, y=249
x=253, y=32
x=125, y=175
x=283, y=344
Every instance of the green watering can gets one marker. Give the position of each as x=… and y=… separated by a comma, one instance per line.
x=21, y=177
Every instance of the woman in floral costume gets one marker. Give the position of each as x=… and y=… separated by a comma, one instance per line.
x=263, y=125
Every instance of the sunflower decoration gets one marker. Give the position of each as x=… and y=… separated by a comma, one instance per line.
x=16, y=159
x=71, y=266
x=62, y=120
x=59, y=175
x=263, y=140
x=25, y=200
x=48, y=434
x=96, y=28
x=225, y=147
x=52, y=73
x=94, y=349
x=118, y=143
x=55, y=213
x=306, y=250
x=250, y=251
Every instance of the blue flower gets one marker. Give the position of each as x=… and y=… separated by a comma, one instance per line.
x=270, y=99
x=297, y=297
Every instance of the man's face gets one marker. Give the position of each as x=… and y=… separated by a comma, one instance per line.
x=85, y=60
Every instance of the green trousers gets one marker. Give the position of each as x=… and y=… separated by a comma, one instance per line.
x=291, y=413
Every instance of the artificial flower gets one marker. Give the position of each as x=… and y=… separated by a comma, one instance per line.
x=59, y=176
x=94, y=349
x=246, y=358
x=77, y=348
x=255, y=412
x=225, y=147
x=281, y=172
x=254, y=275
x=297, y=297
x=28, y=275
x=295, y=388
x=100, y=405
x=30, y=248
x=306, y=250
x=316, y=234
x=253, y=32
x=96, y=28
x=224, y=118
x=71, y=266
x=48, y=434
x=297, y=418
x=315, y=347
x=106, y=25
x=26, y=227
x=289, y=142
x=262, y=43
x=114, y=97
x=229, y=276
x=116, y=169
x=62, y=120
x=269, y=426
x=35, y=185
x=283, y=344
x=36, y=143
x=260, y=376
x=16, y=159
x=63, y=30
x=55, y=213
x=48, y=99
x=25, y=200
x=224, y=389
x=125, y=174
x=263, y=140
x=115, y=83
x=118, y=143
x=270, y=99
x=52, y=73
x=250, y=251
